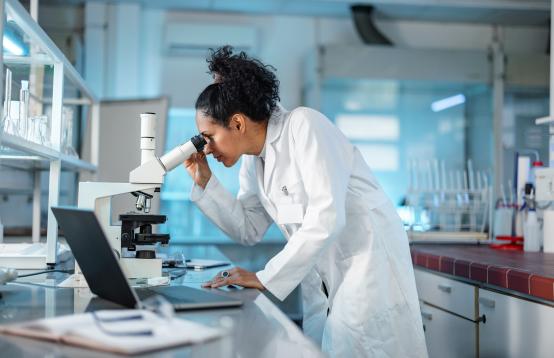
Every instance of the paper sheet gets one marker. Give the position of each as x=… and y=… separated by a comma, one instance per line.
x=116, y=335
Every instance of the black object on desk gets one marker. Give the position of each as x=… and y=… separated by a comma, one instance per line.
x=195, y=264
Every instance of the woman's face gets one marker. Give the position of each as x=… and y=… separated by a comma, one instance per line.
x=222, y=142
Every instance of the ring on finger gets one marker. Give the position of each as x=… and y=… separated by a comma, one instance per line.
x=224, y=274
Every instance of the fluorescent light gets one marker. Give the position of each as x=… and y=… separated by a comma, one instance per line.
x=12, y=47
x=448, y=102
x=381, y=157
x=353, y=105
x=368, y=127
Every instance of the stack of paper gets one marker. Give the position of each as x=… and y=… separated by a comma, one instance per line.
x=117, y=331
x=29, y=255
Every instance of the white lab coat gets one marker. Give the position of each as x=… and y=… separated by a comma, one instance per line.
x=341, y=231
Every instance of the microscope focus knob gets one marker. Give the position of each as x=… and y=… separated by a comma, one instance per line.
x=146, y=254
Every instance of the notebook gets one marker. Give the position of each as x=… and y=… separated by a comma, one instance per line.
x=117, y=331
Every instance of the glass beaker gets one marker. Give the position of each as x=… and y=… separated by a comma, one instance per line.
x=34, y=130
x=8, y=124
x=44, y=130
x=67, y=132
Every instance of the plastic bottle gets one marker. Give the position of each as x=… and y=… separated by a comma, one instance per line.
x=532, y=172
x=531, y=232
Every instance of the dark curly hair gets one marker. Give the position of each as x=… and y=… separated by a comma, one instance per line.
x=243, y=85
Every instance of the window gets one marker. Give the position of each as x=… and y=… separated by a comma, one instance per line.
x=392, y=123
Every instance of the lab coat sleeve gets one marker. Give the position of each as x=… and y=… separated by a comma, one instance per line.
x=325, y=160
x=243, y=219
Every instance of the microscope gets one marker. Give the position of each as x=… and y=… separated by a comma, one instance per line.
x=134, y=241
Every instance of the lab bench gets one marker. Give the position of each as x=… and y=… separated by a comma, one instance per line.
x=480, y=302
x=259, y=327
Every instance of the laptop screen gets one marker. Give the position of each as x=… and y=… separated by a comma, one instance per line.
x=94, y=255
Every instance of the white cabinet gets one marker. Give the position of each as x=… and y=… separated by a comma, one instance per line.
x=514, y=327
x=449, y=315
x=451, y=295
x=39, y=135
x=464, y=320
x=448, y=335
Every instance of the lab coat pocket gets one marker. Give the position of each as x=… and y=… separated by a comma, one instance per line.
x=290, y=209
x=291, y=190
x=289, y=213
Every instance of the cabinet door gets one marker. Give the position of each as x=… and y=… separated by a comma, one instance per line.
x=514, y=327
x=448, y=294
x=448, y=335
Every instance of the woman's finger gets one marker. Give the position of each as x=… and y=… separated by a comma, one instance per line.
x=224, y=282
x=216, y=278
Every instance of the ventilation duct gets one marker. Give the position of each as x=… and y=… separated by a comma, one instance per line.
x=363, y=19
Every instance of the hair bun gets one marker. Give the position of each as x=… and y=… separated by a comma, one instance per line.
x=245, y=85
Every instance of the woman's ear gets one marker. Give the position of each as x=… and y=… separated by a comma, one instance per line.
x=238, y=122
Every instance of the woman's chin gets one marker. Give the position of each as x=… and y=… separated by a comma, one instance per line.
x=229, y=163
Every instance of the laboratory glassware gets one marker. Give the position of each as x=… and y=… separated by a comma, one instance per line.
x=44, y=130
x=8, y=123
x=67, y=132
x=23, y=109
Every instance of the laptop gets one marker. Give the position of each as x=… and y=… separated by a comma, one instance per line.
x=104, y=275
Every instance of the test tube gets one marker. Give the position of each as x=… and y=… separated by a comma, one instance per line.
x=470, y=173
x=23, y=109
x=7, y=122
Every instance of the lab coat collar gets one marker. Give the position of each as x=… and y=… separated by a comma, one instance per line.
x=275, y=124
x=262, y=153
x=274, y=129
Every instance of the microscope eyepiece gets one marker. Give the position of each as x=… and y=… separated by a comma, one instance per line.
x=199, y=142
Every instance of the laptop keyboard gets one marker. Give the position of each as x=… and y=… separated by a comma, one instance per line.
x=145, y=293
x=183, y=298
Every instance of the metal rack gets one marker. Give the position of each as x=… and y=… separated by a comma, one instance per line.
x=55, y=74
x=448, y=206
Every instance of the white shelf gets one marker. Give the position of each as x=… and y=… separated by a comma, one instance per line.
x=544, y=120
x=44, y=153
x=26, y=23
x=74, y=163
x=25, y=146
x=24, y=60
x=46, y=68
x=28, y=256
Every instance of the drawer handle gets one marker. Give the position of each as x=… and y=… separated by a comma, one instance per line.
x=445, y=288
x=487, y=302
x=427, y=316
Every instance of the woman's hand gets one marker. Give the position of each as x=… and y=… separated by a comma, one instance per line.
x=198, y=168
x=237, y=276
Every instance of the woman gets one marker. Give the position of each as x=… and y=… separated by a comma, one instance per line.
x=346, y=245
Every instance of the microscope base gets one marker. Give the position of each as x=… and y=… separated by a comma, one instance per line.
x=76, y=280
x=141, y=268
x=133, y=268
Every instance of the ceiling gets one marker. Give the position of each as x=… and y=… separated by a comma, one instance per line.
x=503, y=12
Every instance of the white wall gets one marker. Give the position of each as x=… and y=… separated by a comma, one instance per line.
x=464, y=36
x=135, y=64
